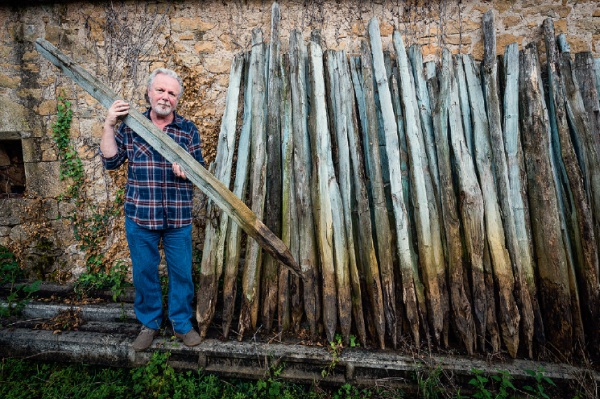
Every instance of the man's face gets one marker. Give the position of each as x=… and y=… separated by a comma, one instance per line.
x=164, y=94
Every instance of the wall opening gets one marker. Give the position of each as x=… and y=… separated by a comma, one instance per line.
x=12, y=168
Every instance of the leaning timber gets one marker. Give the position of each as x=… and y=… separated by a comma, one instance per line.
x=542, y=194
x=362, y=75
x=428, y=239
x=211, y=186
x=213, y=255
x=234, y=238
x=253, y=260
x=308, y=257
x=492, y=101
x=273, y=183
x=459, y=298
x=471, y=205
x=499, y=256
x=341, y=117
x=517, y=180
x=323, y=179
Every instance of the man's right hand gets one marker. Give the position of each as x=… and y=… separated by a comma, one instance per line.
x=108, y=145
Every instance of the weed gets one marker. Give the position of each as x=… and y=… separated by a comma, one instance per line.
x=113, y=280
x=429, y=382
x=538, y=390
x=335, y=348
x=19, y=294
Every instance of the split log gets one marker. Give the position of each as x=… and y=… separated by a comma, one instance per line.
x=362, y=75
x=542, y=193
x=427, y=224
x=274, y=169
x=517, y=181
x=341, y=112
x=290, y=302
x=462, y=316
x=499, y=256
x=253, y=260
x=302, y=174
x=213, y=255
x=492, y=102
x=215, y=190
x=234, y=238
x=465, y=108
x=597, y=73
x=324, y=198
x=471, y=204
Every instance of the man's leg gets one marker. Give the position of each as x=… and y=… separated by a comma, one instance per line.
x=143, y=247
x=177, y=244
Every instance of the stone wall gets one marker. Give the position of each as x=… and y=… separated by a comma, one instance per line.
x=121, y=42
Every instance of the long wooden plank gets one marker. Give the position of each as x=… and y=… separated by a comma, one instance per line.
x=492, y=102
x=428, y=238
x=210, y=185
x=213, y=255
x=542, y=194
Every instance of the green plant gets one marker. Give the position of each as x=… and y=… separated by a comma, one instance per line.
x=335, y=348
x=114, y=280
x=18, y=294
x=538, y=390
x=429, y=382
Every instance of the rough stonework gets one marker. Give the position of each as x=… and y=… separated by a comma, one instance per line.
x=121, y=42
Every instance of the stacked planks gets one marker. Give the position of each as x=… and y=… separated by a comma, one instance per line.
x=451, y=204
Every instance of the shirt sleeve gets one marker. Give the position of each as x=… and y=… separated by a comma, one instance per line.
x=195, y=149
x=116, y=160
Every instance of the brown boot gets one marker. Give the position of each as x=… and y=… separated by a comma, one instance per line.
x=144, y=339
x=190, y=338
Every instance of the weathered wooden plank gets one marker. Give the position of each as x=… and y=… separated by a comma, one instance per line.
x=362, y=75
x=303, y=176
x=270, y=275
x=463, y=93
x=341, y=113
x=253, y=259
x=597, y=72
x=324, y=187
x=471, y=204
x=516, y=177
x=213, y=255
x=428, y=238
x=545, y=221
x=459, y=297
x=234, y=237
x=503, y=275
x=215, y=190
x=492, y=102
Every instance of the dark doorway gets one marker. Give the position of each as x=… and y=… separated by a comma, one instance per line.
x=12, y=169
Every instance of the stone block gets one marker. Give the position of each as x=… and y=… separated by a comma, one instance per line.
x=14, y=116
x=204, y=47
x=43, y=179
x=18, y=234
x=217, y=65
x=50, y=208
x=10, y=82
x=10, y=212
x=4, y=231
x=31, y=149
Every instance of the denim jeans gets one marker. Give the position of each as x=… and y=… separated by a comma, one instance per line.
x=145, y=257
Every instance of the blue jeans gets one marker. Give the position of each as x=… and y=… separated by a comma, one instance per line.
x=145, y=257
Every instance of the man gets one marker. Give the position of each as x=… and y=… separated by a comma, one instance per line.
x=158, y=206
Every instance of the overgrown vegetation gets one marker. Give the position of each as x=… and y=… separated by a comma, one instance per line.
x=90, y=222
x=18, y=294
x=158, y=379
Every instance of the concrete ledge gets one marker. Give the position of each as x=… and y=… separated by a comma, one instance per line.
x=108, y=331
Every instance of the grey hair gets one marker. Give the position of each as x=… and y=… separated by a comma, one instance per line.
x=168, y=72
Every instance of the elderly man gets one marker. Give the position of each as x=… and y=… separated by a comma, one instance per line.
x=158, y=206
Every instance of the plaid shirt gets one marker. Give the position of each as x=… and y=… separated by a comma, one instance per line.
x=155, y=197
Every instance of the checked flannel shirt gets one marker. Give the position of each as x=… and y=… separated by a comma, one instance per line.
x=155, y=198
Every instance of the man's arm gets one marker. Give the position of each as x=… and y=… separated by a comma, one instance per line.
x=108, y=144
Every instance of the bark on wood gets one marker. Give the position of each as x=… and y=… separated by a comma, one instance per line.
x=215, y=190
x=253, y=260
x=274, y=166
x=471, y=205
x=517, y=180
x=234, y=238
x=492, y=101
x=545, y=221
x=302, y=174
x=324, y=184
x=499, y=256
x=428, y=238
x=460, y=300
x=341, y=111
x=362, y=75
x=213, y=255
